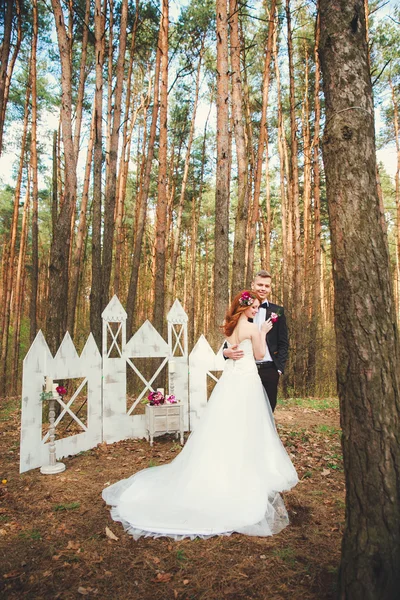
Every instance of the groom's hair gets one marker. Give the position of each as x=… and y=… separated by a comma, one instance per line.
x=263, y=273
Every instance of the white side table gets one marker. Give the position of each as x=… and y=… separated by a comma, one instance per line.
x=164, y=418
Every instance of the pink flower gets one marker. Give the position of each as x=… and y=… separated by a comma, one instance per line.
x=274, y=317
x=156, y=398
x=61, y=390
x=171, y=399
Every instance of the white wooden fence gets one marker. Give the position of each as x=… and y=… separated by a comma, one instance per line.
x=105, y=376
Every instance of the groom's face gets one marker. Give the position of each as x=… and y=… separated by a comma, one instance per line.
x=262, y=285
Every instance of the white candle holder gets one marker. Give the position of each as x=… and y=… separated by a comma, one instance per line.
x=53, y=467
x=171, y=383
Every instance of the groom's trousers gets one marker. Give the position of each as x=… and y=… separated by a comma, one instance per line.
x=270, y=378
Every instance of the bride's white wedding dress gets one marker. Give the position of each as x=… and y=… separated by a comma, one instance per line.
x=226, y=479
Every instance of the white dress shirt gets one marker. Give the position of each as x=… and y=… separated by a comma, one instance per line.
x=259, y=319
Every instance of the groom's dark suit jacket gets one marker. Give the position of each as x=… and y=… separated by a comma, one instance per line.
x=277, y=338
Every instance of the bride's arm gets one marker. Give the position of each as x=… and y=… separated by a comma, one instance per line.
x=259, y=339
x=258, y=342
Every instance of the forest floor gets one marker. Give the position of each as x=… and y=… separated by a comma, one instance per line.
x=54, y=542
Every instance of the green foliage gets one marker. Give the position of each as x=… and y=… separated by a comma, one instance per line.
x=287, y=555
x=328, y=430
x=6, y=209
x=313, y=403
x=181, y=556
x=34, y=534
x=8, y=407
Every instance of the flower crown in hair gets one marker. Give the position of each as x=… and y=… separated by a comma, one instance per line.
x=245, y=299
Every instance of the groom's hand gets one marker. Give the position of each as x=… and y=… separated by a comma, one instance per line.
x=233, y=352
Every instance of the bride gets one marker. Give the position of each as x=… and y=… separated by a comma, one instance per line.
x=228, y=476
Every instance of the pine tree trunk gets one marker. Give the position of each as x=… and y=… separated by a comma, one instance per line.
x=131, y=112
x=297, y=344
x=221, y=235
x=56, y=315
x=11, y=65
x=8, y=271
x=397, y=187
x=262, y=144
x=286, y=235
x=81, y=235
x=365, y=321
x=144, y=193
x=306, y=183
x=111, y=180
x=177, y=227
x=316, y=295
x=82, y=79
x=5, y=52
x=34, y=171
x=96, y=287
x=19, y=285
x=239, y=242
x=161, y=212
x=195, y=266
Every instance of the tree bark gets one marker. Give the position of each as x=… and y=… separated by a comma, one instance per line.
x=221, y=235
x=365, y=321
x=5, y=52
x=82, y=79
x=56, y=316
x=11, y=65
x=177, y=228
x=397, y=189
x=81, y=235
x=316, y=295
x=239, y=242
x=96, y=287
x=131, y=114
x=34, y=172
x=19, y=285
x=143, y=194
x=161, y=212
x=111, y=180
x=262, y=141
x=8, y=272
x=284, y=190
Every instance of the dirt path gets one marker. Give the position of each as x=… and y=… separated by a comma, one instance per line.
x=53, y=541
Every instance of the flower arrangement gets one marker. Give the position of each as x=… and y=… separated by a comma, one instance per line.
x=61, y=391
x=245, y=299
x=157, y=398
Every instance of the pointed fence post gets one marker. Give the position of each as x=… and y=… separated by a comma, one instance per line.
x=202, y=360
x=37, y=364
x=178, y=371
x=114, y=367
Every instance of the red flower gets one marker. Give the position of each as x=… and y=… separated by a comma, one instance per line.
x=61, y=390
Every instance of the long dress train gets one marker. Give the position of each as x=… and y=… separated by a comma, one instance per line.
x=226, y=479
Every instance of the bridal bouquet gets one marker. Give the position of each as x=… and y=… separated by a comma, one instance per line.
x=157, y=398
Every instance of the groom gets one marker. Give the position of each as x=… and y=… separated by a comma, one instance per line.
x=273, y=364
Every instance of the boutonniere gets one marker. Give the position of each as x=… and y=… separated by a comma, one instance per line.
x=274, y=316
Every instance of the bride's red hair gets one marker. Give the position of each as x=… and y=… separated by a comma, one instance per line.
x=235, y=310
